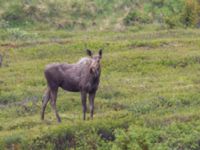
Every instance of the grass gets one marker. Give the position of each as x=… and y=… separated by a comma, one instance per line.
x=97, y=14
x=148, y=96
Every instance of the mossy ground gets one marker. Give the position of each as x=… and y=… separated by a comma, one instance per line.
x=148, y=96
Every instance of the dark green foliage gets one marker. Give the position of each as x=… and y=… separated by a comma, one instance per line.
x=135, y=17
x=164, y=138
x=81, y=136
x=72, y=15
x=190, y=15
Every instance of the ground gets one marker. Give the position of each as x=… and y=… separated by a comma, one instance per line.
x=148, y=96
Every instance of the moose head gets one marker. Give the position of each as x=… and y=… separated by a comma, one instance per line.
x=96, y=59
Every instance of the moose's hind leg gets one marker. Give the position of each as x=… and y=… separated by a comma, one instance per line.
x=53, y=103
x=45, y=100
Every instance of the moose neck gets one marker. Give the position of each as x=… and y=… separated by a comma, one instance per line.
x=94, y=76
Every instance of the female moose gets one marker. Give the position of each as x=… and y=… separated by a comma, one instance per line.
x=83, y=77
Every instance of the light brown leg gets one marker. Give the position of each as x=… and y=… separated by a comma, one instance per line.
x=45, y=100
x=53, y=95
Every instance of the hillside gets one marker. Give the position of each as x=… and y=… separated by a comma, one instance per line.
x=148, y=98
x=98, y=14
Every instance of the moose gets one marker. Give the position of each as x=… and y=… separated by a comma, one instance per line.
x=83, y=77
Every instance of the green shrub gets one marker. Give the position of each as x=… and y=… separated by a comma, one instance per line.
x=135, y=17
x=177, y=135
x=14, y=13
x=17, y=141
x=88, y=135
x=73, y=15
x=190, y=15
x=136, y=138
x=90, y=140
x=22, y=13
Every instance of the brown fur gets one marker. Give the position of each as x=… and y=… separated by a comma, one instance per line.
x=83, y=77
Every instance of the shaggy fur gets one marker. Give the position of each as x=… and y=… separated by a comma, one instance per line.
x=83, y=77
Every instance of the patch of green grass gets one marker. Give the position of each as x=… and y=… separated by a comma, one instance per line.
x=148, y=96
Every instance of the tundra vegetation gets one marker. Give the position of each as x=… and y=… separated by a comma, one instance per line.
x=149, y=92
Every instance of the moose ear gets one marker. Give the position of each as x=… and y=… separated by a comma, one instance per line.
x=100, y=53
x=89, y=52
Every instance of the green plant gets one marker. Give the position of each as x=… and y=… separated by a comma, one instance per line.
x=190, y=14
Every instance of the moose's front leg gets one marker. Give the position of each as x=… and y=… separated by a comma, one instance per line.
x=91, y=98
x=83, y=99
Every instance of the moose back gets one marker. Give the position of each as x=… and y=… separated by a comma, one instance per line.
x=83, y=77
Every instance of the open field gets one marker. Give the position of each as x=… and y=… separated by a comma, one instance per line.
x=148, y=96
